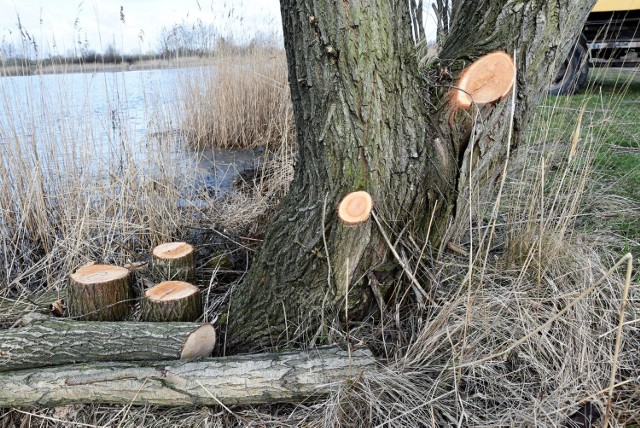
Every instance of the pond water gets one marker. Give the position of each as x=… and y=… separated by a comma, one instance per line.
x=89, y=120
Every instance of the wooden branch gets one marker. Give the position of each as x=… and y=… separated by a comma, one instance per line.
x=172, y=301
x=173, y=261
x=49, y=342
x=247, y=379
x=99, y=293
x=47, y=302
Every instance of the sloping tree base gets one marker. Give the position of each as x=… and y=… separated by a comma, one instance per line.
x=249, y=379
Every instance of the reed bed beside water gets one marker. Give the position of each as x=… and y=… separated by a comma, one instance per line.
x=76, y=187
x=241, y=101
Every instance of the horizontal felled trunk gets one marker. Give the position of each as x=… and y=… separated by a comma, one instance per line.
x=250, y=379
x=50, y=342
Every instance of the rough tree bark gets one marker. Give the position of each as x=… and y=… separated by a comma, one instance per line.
x=46, y=341
x=251, y=379
x=367, y=120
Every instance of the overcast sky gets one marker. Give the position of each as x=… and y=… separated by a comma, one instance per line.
x=57, y=25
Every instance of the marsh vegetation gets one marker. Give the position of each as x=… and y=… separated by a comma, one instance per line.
x=524, y=325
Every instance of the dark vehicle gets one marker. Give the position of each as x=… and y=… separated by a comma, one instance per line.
x=610, y=38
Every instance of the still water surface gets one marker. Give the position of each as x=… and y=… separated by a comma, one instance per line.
x=90, y=120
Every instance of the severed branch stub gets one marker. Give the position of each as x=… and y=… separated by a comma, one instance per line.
x=172, y=301
x=486, y=80
x=355, y=208
x=173, y=261
x=99, y=293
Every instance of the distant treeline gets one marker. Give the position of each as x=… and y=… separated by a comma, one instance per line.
x=183, y=40
x=90, y=58
x=56, y=64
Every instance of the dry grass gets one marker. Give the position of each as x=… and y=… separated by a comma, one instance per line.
x=523, y=330
x=240, y=101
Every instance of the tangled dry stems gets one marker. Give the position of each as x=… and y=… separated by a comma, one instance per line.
x=513, y=339
x=239, y=101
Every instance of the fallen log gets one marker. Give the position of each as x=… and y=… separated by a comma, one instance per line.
x=46, y=341
x=246, y=379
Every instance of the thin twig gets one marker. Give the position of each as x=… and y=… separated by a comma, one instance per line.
x=404, y=266
x=623, y=307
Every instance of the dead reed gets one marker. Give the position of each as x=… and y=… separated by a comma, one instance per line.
x=241, y=100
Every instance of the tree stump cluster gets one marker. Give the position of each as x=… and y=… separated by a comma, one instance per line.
x=103, y=293
x=105, y=358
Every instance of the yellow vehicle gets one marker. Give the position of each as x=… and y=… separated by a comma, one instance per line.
x=610, y=38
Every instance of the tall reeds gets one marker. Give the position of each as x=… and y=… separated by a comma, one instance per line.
x=242, y=100
x=79, y=184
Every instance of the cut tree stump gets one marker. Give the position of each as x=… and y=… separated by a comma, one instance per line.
x=46, y=341
x=173, y=261
x=487, y=79
x=99, y=293
x=172, y=301
x=237, y=380
x=355, y=208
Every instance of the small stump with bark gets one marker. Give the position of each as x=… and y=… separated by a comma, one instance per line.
x=172, y=301
x=99, y=293
x=173, y=261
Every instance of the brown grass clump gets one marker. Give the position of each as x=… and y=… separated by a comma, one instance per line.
x=241, y=100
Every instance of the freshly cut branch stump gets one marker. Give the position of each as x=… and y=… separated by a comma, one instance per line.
x=486, y=80
x=46, y=341
x=172, y=301
x=248, y=379
x=355, y=208
x=173, y=261
x=99, y=293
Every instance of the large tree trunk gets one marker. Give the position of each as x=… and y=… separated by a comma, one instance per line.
x=363, y=124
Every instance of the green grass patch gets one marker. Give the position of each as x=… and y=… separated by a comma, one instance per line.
x=611, y=122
